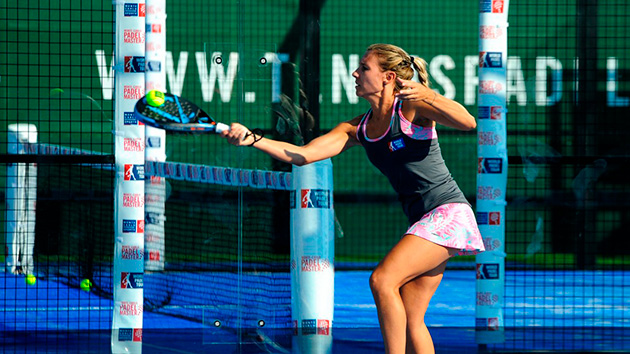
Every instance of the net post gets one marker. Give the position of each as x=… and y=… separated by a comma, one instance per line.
x=155, y=147
x=312, y=257
x=21, y=196
x=492, y=170
x=129, y=146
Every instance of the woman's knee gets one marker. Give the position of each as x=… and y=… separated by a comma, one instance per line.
x=380, y=282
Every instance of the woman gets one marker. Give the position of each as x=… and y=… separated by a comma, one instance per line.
x=398, y=134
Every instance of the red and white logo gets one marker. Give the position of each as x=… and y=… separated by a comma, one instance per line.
x=497, y=6
x=134, y=36
x=323, y=327
x=137, y=334
x=154, y=28
x=488, y=193
x=154, y=255
x=490, y=32
x=133, y=92
x=487, y=298
x=130, y=308
x=493, y=324
x=134, y=253
x=489, y=138
x=490, y=87
x=151, y=237
x=153, y=46
x=133, y=144
x=133, y=200
x=494, y=218
x=314, y=264
x=154, y=9
x=495, y=112
x=491, y=244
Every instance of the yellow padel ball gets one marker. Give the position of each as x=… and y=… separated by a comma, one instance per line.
x=155, y=98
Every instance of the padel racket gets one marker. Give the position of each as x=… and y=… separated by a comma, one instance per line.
x=171, y=113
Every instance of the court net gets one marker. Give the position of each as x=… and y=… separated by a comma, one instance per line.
x=226, y=237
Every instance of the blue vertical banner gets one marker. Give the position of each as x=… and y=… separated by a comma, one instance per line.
x=129, y=197
x=491, y=169
x=312, y=257
x=155, y=147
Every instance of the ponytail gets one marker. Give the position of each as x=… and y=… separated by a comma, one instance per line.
x=421, y=67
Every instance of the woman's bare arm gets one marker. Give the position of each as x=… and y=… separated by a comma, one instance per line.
x=328, y=145
x=429, y=104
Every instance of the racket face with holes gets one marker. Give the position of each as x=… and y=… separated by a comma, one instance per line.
x=176, y=114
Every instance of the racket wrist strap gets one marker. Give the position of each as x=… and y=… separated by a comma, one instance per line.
x=257, y=134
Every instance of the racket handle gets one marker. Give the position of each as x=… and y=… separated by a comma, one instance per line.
x=221, y=128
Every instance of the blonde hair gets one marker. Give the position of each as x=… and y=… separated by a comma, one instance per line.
x=393, y=58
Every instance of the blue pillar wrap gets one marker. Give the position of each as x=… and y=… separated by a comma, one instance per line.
x=492, y=169
x=129, y=195
x=312, y=256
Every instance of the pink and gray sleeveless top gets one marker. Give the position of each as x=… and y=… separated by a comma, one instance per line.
x=410, y=157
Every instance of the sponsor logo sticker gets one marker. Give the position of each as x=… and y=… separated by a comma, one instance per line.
x=130, y=334
x=315, y=198
x=491, y=6
x=396, y=144
x=135, y=10
x=134, y=64
x=490, y=165
x=489, y=217
x=131, y=280
x=134, y=172
x=309, y=326
x=490, y=59
x=488, y=271
x=133, y=226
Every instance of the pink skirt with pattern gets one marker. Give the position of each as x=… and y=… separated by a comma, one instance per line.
x=451, y=225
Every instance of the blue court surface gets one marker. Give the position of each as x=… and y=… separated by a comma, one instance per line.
x=558, y=314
